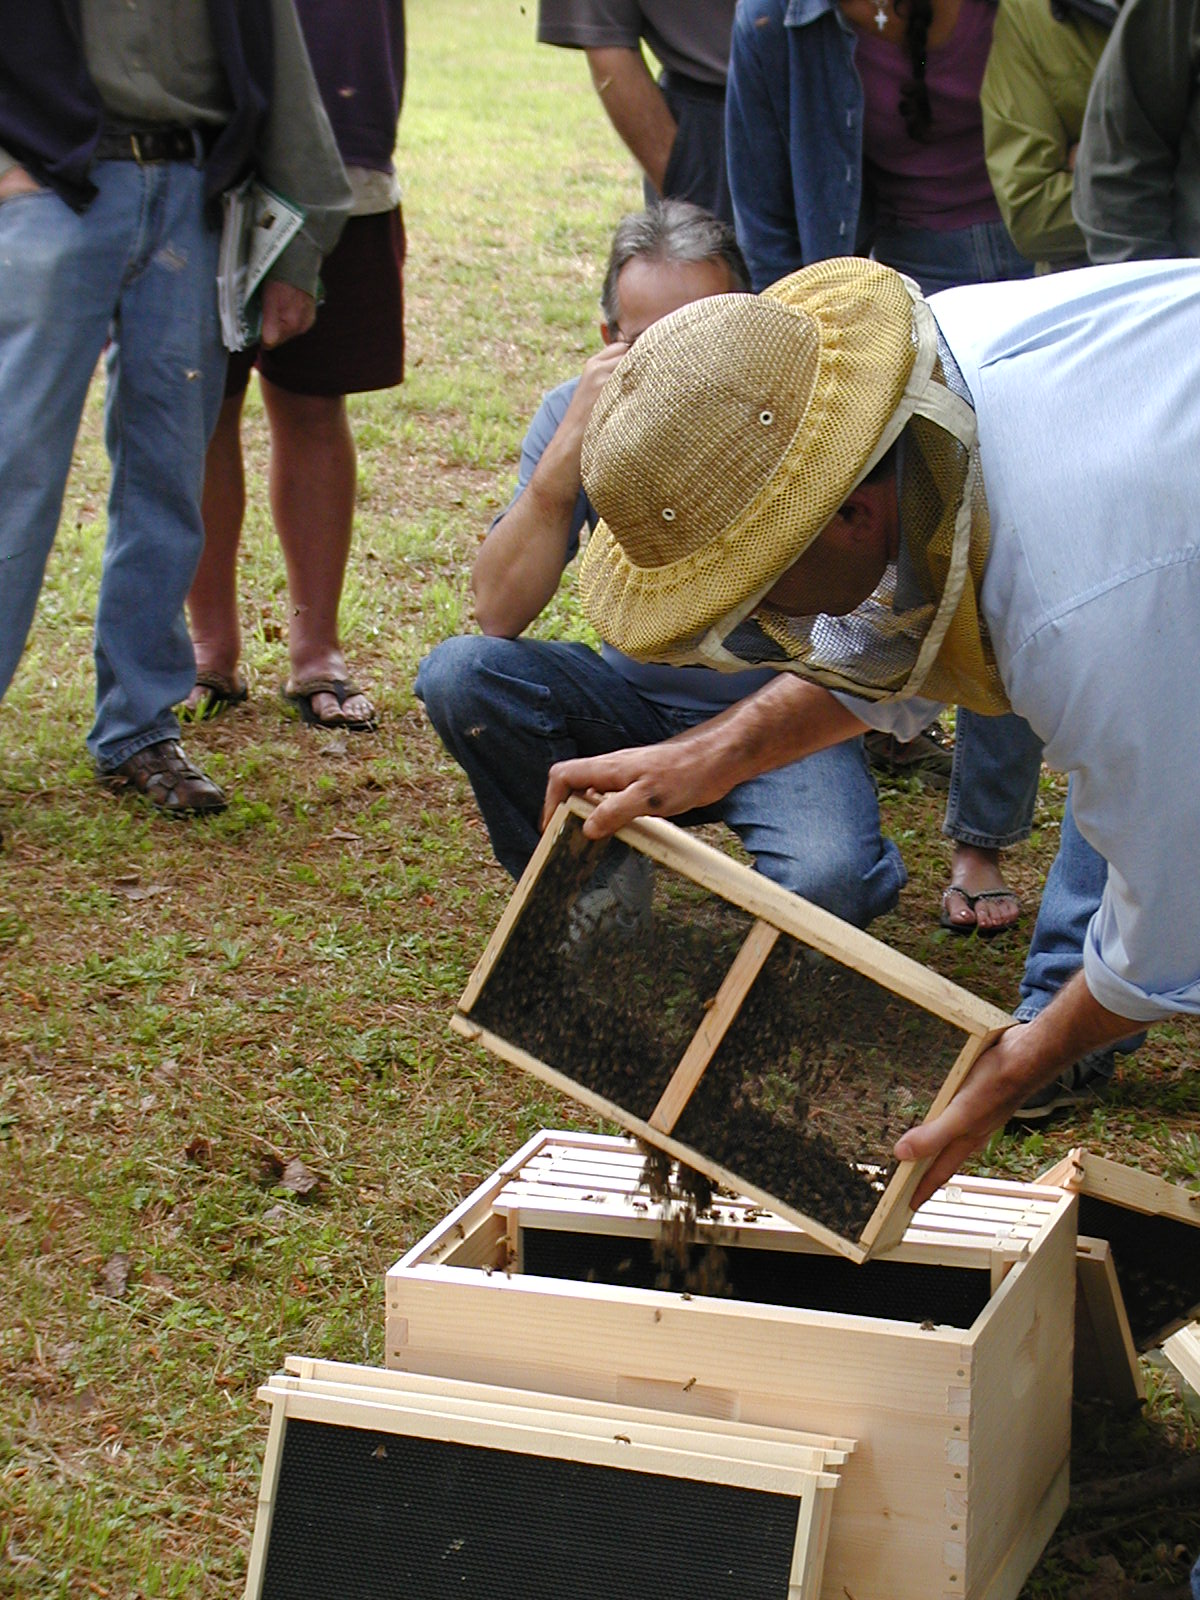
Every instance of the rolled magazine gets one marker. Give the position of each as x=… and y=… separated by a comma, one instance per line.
x=258, y=226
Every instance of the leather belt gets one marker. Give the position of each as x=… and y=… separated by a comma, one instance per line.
x=166, y=142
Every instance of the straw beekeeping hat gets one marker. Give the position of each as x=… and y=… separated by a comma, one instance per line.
x=727, y=439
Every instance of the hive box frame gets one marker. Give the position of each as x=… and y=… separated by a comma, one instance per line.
x=775, y=911
x=960, y=1472
x=1150, y=1211
x=378, y=1404
x=1106, y=1358
x=1182, y=1350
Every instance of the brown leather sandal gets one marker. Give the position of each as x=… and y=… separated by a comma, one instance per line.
x=300, y=695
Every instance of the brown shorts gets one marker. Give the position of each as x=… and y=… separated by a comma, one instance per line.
x=357, y=341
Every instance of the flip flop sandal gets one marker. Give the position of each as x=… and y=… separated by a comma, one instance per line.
x=300, y=696
x=962, y=929
x=220, y=694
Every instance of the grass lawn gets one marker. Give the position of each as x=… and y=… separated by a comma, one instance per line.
x=187, y=1008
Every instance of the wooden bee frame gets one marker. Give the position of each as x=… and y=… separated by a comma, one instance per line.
x=389, y=1484
x=778, y=923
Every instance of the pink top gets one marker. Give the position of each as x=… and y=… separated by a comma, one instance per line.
x=941, y=181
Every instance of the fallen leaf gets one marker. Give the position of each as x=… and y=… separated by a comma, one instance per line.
x=199, y=1150
x=298, y=1178
x=114, y=1275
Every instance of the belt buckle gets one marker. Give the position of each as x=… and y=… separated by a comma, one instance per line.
x=135, y=144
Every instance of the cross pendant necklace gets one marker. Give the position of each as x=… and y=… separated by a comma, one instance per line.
x=881, y=14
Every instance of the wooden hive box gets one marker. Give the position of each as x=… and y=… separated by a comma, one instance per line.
x=385, y=1484
x=1152, y=1229
x=751, y=1035
x=949, y=1360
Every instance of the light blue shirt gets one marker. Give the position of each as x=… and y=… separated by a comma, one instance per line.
x=1087, y=390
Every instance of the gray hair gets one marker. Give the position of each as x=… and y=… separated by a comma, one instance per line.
x=672, y=230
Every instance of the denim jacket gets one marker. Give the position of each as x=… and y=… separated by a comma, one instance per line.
x=794, y=136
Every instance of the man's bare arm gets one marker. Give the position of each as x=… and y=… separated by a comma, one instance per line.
x=520, y=563
x=1002, y=1079
x=783, y=721
x=636, y=108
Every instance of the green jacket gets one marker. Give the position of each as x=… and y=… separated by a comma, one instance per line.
x=1033, y=96
x=1137, y=190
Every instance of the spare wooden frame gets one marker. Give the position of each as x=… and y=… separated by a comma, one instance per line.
x=1153, y=1229
x=508, y=1424
x=774, y=911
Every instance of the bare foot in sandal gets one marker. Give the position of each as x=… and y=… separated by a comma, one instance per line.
x=212, y=694
x=977, y=898
x=325, y=702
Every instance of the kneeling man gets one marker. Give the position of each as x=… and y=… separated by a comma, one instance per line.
x=508, y=707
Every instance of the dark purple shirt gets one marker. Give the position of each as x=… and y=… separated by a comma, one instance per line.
x=941, y=181
x=357, y=53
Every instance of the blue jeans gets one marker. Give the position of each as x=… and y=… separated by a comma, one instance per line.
x=949, y=258
x=507, y=709
x=137, y=267
x=993, y=781
x=1196, y=1581
x=1073, y=889
x=993, y=784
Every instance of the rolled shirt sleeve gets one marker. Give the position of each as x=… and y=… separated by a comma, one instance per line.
x=590, y=24
x=905, y=718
